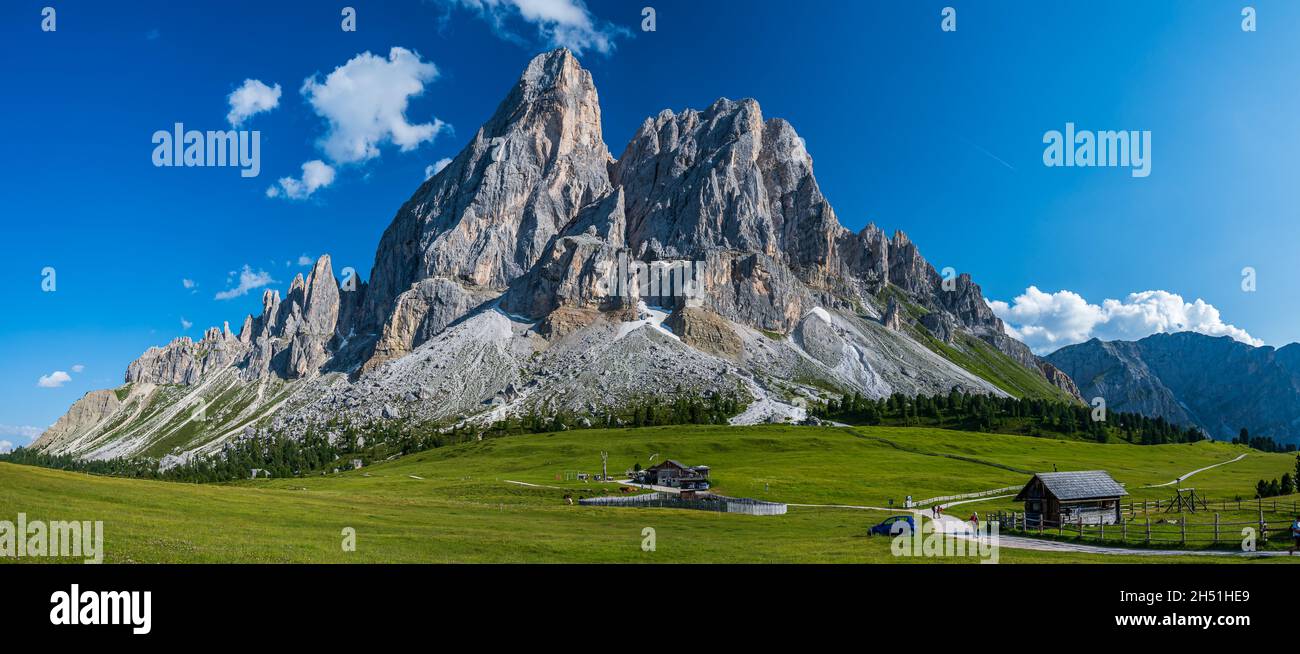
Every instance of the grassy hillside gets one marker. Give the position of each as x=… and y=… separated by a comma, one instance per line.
x=977, y=357
x=454, y=504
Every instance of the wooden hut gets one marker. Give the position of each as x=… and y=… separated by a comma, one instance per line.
x=1055, y=498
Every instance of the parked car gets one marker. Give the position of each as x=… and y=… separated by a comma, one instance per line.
x=888, y=526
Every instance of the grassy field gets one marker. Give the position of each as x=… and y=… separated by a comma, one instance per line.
x=455, y=504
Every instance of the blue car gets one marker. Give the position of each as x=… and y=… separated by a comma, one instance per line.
x=892, y=527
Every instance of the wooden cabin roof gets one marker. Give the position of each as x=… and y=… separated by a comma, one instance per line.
x=1081, y=485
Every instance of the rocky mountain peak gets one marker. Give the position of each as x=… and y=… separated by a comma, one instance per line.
x=488, y=217
x=495, y=275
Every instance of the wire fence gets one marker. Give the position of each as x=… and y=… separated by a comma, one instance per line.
x=718, y=503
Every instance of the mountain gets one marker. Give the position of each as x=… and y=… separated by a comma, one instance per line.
x=1218, y=384
x=517, y=280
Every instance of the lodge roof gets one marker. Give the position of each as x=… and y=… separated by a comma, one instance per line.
x=1080, y=485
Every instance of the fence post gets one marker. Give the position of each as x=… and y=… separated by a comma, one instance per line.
x=1123, y=531
x=1263, y=527
x=1183, y=523
x=1148, y=530
x=1101, y=526
x=1216, y=529
x=1081, y=526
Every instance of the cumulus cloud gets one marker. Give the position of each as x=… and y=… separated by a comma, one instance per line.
x=364, y=104
x=252, y=97
x=78, y=369
x=248, y=280
x=1048, y=321
x=55, y=379
x=566, y=23
x=6, y=447
x=316, y=174
x=185, y=324
x=304, y=260
x=188, y=283
x=430, y=171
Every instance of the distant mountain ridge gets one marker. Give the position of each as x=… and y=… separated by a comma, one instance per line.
x=486, y=298
x=1216, y=383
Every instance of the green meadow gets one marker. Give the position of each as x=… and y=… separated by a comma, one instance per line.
x=458, y=503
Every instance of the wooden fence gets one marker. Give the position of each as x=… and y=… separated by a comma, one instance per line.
x=1270, y=505
x=1167, y=531
x=964, y=496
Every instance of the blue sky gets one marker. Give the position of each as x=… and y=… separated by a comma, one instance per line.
x=939, y=134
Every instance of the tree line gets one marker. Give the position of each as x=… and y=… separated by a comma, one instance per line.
x=1261, y=443
x=335, y=444
x=1289, y=484
x=1010, y=415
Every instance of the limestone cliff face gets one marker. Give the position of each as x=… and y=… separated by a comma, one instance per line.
x=291, y=338
x=84, y=414
x=488, y=217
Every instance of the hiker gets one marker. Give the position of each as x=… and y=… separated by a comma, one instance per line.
x=975, y=520
x=1295, y=535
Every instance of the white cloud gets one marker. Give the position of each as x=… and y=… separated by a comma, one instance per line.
x=1048, y=321
x=364, y=103
x=248, y=280
x=316, y=174
x=185, y=324
x=55, y=379
x=188, y=283
x=304, y=260
x=6, y=447
x=253, y=97
x=21, y=431
x=430, y=171
x=78, y=369
x=565, y=23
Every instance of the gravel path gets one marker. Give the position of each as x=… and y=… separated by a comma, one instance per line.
x=1171, y=483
